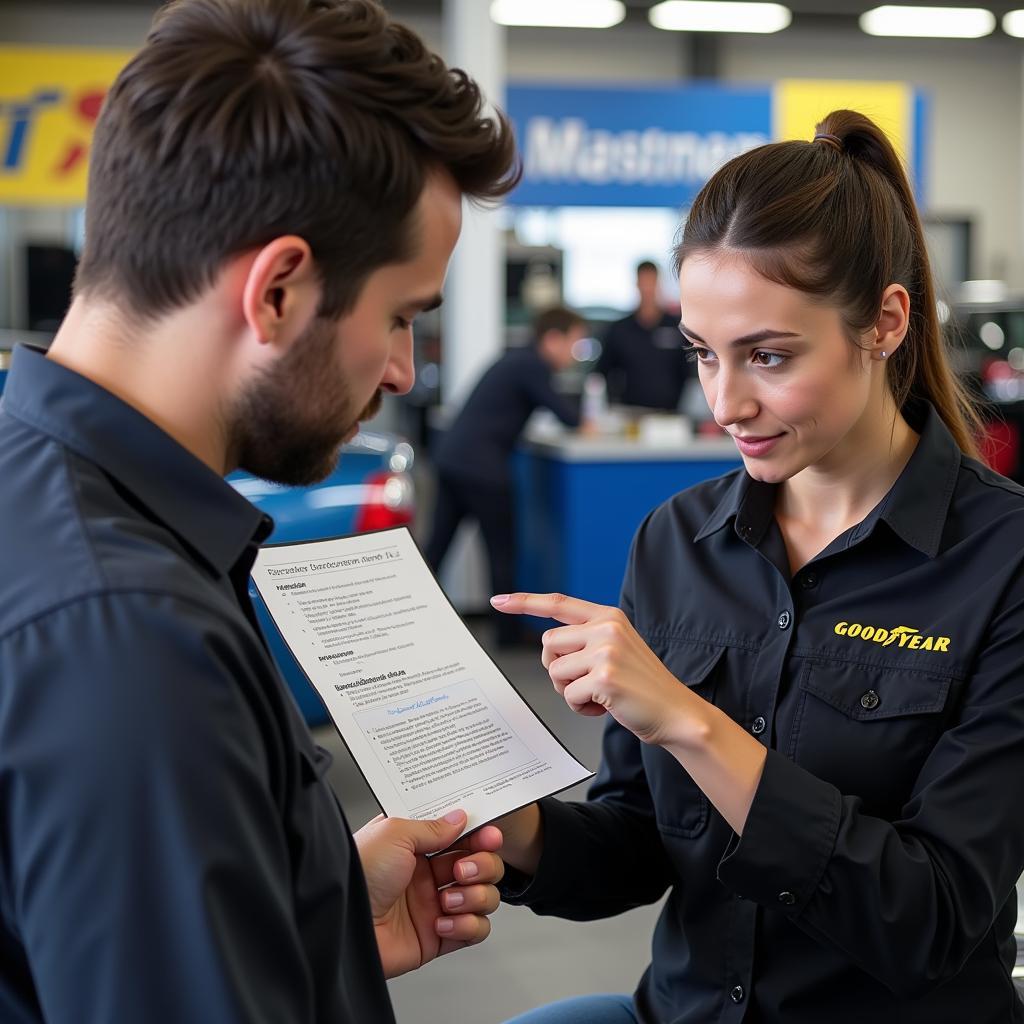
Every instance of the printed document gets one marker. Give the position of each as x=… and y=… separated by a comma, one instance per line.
x=428, y=717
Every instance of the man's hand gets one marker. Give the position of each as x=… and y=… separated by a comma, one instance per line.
x=424, y=908
x=599, y=663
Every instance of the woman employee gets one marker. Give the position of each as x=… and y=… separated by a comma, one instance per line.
x=815, y=685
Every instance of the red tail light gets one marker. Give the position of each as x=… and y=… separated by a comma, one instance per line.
x=1000, y=447
x=390, y=501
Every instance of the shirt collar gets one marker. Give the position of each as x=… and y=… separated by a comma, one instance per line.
x=915, y=507
x=747, y=502
x=172, y=484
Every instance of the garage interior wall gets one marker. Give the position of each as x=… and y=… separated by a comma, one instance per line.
x=974, y=165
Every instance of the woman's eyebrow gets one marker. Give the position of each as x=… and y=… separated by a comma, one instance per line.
x=747, y=339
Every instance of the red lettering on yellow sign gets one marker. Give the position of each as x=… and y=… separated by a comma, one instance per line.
x=87, y=108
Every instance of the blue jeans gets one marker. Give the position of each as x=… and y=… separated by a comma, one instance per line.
x=615, y=1009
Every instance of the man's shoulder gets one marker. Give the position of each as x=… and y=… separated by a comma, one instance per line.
x=142, y=673
x=70, y=533
x=514, y=367
x=516, y=360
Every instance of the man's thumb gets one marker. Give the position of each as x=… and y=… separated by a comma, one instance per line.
x=436, y=834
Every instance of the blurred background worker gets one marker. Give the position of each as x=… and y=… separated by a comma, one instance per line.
x=473, y=456
x=642, y=358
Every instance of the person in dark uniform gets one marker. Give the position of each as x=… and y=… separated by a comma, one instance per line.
x=262, y=228
x=473, y=456
x=814, y=682
x=642, y=358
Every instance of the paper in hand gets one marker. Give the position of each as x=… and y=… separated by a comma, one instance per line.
x=428, y=717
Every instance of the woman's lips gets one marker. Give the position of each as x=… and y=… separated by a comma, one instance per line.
x=757, y=447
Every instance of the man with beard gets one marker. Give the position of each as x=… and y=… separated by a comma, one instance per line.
x=275, y=191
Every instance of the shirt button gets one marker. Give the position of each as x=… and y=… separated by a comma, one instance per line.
x=787, y=899
x=809, y=580
x=784, y=620
x=746, y=531
x=870, y=700
x=737, y=994
x=757, y=726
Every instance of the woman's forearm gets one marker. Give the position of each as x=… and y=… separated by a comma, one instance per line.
x=524, y=838
x=721, y=757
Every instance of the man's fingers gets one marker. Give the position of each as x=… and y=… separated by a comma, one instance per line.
x=463, y=868
x=465, y=930
x=470, y=899
x=487, y=839
x=570, y=610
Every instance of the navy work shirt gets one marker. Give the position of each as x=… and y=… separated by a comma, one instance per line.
x=644, y=366
x=483, y=436
x=874, y=880
x=168, y=849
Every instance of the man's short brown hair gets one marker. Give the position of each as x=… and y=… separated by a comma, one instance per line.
x=243, y=120
x=557, y=319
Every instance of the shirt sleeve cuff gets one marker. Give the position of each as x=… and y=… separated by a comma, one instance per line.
x=520, y=889
x=788, y=838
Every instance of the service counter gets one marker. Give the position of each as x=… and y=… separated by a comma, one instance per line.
x=580, y=499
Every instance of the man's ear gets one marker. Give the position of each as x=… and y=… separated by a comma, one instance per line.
x=281, y=292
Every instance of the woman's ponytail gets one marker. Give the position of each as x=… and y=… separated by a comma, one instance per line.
x=919, y=368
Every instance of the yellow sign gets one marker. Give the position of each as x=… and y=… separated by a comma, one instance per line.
x=49, y=102
x=799, y=104
x=50, y=99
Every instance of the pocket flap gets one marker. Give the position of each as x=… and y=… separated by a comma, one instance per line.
x=691, y=663
x=867, y=694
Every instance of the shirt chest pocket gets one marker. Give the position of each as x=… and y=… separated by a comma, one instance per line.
x=681, y=808
x=867, y=730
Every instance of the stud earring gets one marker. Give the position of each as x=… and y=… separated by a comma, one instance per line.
x=884, y=354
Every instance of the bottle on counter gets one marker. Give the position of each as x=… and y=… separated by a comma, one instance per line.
x=594, y=409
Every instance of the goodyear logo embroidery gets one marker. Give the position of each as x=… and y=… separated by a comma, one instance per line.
x=903, y=636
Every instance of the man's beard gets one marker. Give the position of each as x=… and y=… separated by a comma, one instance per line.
x=289, y=424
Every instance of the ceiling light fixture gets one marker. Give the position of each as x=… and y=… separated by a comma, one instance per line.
x=1013, y=24
x=931, y=22
x=706, y=16
x=559, y=13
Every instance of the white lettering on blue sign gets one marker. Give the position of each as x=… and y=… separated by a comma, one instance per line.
x=568, y=150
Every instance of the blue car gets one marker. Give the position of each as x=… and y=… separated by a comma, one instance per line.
x=370, y=489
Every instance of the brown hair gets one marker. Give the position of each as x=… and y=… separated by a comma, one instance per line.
x=556, y=319
x=242, y=120
x=836, y=218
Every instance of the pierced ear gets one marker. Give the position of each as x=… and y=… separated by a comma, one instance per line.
x=281, y=290
x=893, y=321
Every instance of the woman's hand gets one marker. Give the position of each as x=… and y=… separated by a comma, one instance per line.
x=424, y=908
x=599, y=663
